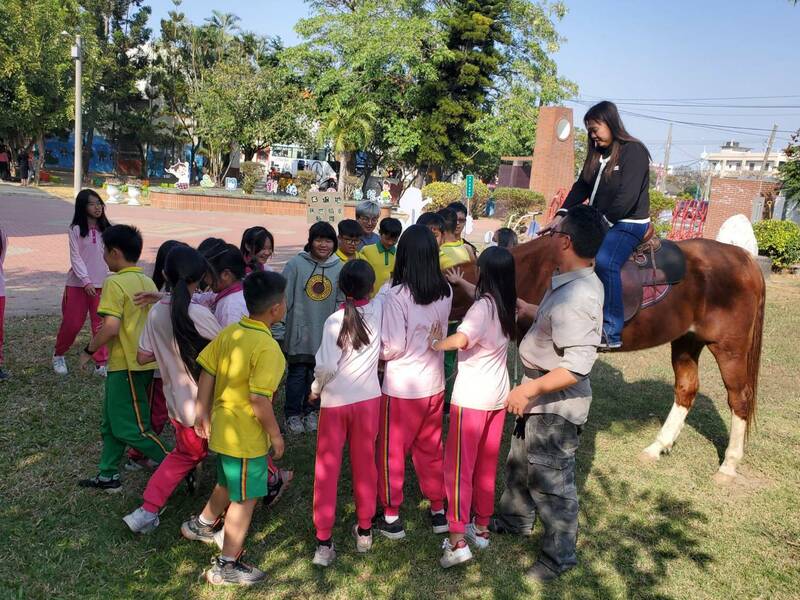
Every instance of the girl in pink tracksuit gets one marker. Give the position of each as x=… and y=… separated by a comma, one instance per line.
x=85, y=279
x=477, y=410
x=346, y=383
x=413, y=382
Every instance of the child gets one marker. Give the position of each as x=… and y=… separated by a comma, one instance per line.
x=552, y=402
x=413, y=383
x=461, y=221
x=257, y=247
x=454, y=251
x=386, y=192
x=367, y=214
x=226, y=298
x=477, y=412
x=312, y=279
x=3, y=247
x=126, y=413
x=349, y=240
x=346, y=382
x=505, y=238
x=175, y=332
x=381, y=255
x=435, y=223
x=242, y=368
x=85, y=279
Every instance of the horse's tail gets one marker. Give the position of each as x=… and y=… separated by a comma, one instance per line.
x=754, y=353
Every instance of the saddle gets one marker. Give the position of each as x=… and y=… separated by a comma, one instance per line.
x=650, y=272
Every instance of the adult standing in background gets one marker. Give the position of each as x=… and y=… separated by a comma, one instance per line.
x=22, y=167
x=616, y=180
x=5, y=162
x=367, y=214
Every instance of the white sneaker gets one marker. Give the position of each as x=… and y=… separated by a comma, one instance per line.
x=101, y=371
x=310, y=422
x=141, y=521
x=363, y=542
x=137, y=465
x=454, y=555
x=60, y=365
x=295, y=424
x=324, y=556
x=480, y=539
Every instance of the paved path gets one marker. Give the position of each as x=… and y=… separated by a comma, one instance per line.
x=38, y=258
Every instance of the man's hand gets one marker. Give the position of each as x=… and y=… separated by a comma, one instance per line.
x=278, y=446
x=90, y=290
x=517, y=401
x=84, y=359
x=551, y=224
x=145, y=298
x=202, y=426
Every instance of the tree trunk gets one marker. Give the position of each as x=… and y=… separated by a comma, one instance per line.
x=87, y=151
x=342, y=156
x=249, y=153
x=40, y=160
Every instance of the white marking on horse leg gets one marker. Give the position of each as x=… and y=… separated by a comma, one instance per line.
x=735, y=450
x=669, y=432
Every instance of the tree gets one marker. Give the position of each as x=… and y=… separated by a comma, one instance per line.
x=789, y=172
x=35, y=87
x=581, y=140
x=349, y=127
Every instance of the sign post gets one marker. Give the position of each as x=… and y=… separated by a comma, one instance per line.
x=324, y=206
x=470, y=191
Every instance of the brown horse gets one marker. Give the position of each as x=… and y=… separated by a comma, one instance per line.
x=719, y=304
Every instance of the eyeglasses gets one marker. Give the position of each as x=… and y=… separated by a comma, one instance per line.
x=461, y=220
x=349, y=240
x=371, y=220
x=552, y=232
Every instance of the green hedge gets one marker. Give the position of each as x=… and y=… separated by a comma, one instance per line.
x=516, y=201
x=443, y=193
x=780, y=240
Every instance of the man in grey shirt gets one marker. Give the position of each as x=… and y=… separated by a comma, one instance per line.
x=553, y=400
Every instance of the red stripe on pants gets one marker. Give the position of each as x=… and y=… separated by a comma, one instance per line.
x=158, y=413
x=470, y=465
x=190, y=450
x=415, y=427
x=357, y=424
x=75, y=305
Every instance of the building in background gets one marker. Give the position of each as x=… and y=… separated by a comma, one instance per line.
x=733, y=160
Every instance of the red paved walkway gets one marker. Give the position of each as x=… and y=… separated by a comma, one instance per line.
x=38, y=257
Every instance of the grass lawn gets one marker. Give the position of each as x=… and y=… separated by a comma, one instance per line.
x=658, y=531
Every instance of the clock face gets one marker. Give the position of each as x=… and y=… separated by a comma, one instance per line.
x=563, y=129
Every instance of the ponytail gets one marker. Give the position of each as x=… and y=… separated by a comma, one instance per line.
x=185, y=266
x=355, y=280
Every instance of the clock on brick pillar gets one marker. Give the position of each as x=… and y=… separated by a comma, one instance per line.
x=553, y=165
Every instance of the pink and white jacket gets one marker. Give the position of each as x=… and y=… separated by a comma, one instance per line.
x=413, y=369
x=3, y=248
x=347, y=377
x=87, y=266
x=228, y=305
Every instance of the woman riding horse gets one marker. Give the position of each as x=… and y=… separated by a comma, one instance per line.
x=616, y=179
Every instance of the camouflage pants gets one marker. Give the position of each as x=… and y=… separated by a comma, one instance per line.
x=540, y=480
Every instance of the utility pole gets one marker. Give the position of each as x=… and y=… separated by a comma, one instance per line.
x=757, y=199
x=666, y=158
x=77, y=52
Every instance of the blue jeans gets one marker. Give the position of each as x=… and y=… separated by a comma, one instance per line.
x=617, y=247
x=298, y=385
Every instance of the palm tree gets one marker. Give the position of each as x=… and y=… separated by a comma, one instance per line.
x=350, y=126
x=224, y=24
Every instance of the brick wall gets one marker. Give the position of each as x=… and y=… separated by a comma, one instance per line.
x=205, y=202
x=730, y=197
x=553, y=160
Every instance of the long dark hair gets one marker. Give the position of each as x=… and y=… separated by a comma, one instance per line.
x=417, y=266
x=607, y=113
x=161, y=259
x=496, y=279
x=81, y=219
x=355, y=280
x=253, y=241
x=184, y=266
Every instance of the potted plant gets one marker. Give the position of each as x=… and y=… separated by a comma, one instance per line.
x=134, y=192
x=113, y=189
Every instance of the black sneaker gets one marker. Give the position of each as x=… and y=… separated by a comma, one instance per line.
x=393, y=531
x=112, y=485
x=193, y=529
x=191, y=483
x=439, y=523
x=275, y=489
x=233, y=572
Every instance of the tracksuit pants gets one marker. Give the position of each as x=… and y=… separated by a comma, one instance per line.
x=76, y=304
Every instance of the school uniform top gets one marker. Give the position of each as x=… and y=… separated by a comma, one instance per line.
x=369, y=239
x=413, y=369
x=87, y=266
x=382, y=261
x=452, y=254
x=566, y=334
x=621, y=195
x=344, y=258
x=347, y=377
x=3, y=248
x=244, y=359
x=482, y=380
x=228, y=305
x=116, y=300
x=180, y=388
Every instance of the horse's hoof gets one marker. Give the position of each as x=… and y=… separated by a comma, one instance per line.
x=648, y=457
x=724, y=479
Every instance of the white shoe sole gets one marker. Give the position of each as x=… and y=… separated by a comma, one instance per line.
x=441, y=529
x=150, y=528
x=459, y=560
x=392, y=536
x=360, y=549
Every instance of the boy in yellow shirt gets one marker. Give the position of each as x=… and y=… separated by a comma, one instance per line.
x=381, y=255
x=242, y=369
x=453, y=250
x=349, y=240
x=126, y=411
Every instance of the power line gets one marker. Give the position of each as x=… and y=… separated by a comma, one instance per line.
x=699, y=99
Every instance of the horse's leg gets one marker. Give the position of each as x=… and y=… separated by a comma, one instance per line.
x=734, y=376
x=685, y=355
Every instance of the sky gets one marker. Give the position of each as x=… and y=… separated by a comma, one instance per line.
x=731, y=64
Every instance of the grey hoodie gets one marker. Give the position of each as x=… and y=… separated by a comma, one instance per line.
x=312, y=295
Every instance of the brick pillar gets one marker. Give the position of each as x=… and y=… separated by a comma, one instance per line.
x=730, y=196
x=553, y=159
